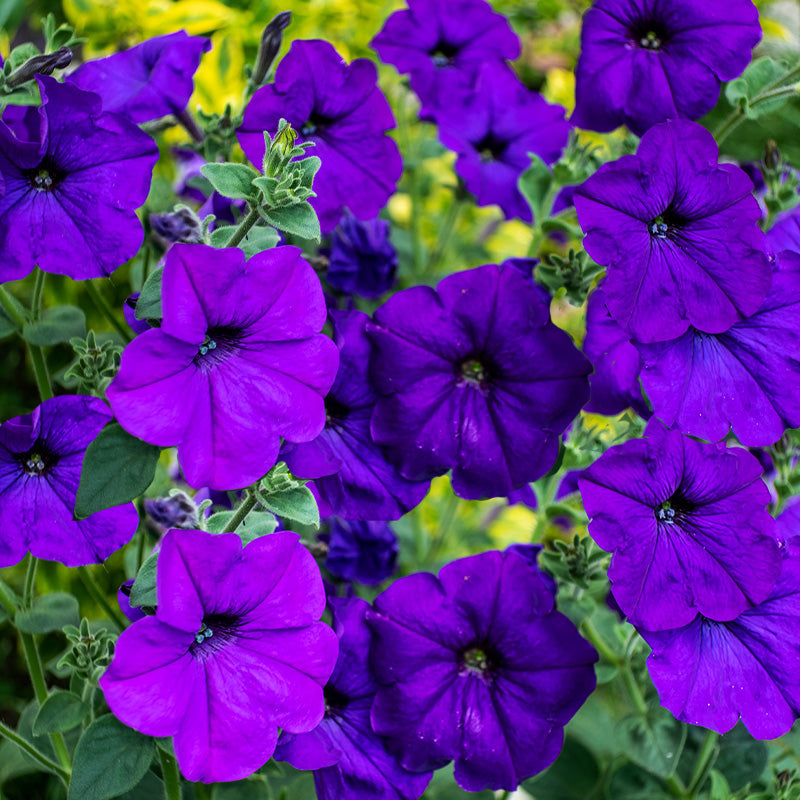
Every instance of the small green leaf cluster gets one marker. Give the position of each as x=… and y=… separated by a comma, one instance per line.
x=570, y=276
x=89, y=653
x=579, y=562
x=95, y=364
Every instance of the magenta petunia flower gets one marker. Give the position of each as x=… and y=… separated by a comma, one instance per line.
x=40, y=468
x=237, y=363
x=233, y=652
x=71, y=194
x=340, y=108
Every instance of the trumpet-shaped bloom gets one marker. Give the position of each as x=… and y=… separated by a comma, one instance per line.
x=233, y=652
x=237, y=363
x=40, y=467
x=361, y=551
x=477, y=666
x=678, y=233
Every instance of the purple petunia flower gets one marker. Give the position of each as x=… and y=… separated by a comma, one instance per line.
x=233, y=651
x=747, y=378
x=785, y=233
x=362, y=259
x=646, y=61
x=712, y=673
x=460, y=679
x=70, y=196
x=688, y=525
x=614, y=385
x=236, y=364
x=123, y=600
x=349, y=759
x=40, y=466
x=148, y=81
x=340, y=108
x=129, y=312
x=678, y=233
x=351, y=472
x=365, y=552
x=442, y=46
x=475, y=378
x=493, y=130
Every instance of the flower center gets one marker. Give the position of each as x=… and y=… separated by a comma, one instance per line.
x=674, y=510
x=45, y=177
x=650, y=41
x=659, y=228
x=204, y=633
x=315, y=124
x=473, y=371
x=491, y=148
x=208, y=344
x=335, y=701
x=443, y=55
x=38, y=460
x=34, y=464
x=475, y=661
x=335, y=412
x=665, y=512
x=216, y=630
x=219, y=343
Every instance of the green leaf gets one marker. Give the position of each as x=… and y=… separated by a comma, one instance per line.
x=62, y=711
x=231, y=180
x=143, y=591
x=7, y=327
x=655, y=742
x=747, y=90
x=741, y=758
x=297, y=220
x=574, y=775
x=148, y=306
x=719, y=787
x=254, y=788
x=116, y=468
x=259, y=239
x=255, y=526
x=110, y=759
x=536, y=185
x=633, y=783
x=50, y=612
x=56, y=325
x=296, y=504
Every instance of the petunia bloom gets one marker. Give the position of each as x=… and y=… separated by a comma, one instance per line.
x=460, y=678
x=645, y=61
x=70, y=196
x=713, y=673
x=747, y=378
x=41, y=455
x=688, y=525
x=233, y=652
x=493, y=130
x=348, y=758
x=148, y=81
x=361, y=551
x=339, y=108
x=441, y=46
x=678, y=233
x=474, y=377
x=237, y=363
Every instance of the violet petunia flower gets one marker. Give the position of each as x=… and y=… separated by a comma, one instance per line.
x=441, y=46
x=687, y=524
x=237, y=363
x=712, y=673
x=493, y=130
x=474, y=377
x=348, y=758
x=747, y=378
x=365, y=552
x=785, y=233
x=233, y=652
x=129, y=313
x=148, y=81
x=460, y=678
x=71, y=194
x=614, y=386
x=678, y=233
x=40, y=467
x=646, y=61
x=132, y=613
x=351, y=472
x=339, y=108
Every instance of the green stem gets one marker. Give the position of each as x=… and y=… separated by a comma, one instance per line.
x=40, y=372
x=172, y=778
x=676, y=787
x=8, y=604
x=411, y=168
x=35, y=754
x=705, y=758
x=200, y=791
x=538, y=234
x=592, y=635
x=99, y=597
x=244, y=228
x=445, y=232
x=633, y=690
x=30, y=580
x=38, y=290
x=444, y=526
x=12, y=312
x=248, y=504
x=105, y=310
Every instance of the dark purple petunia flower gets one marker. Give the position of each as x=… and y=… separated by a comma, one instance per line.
x=148, y=81
x=365, y=552
x=362, y=259
x=233, y=652
x=787, y=525
x=475, y=378
x=614, y=386
x=712, y=673
x=70, y=196
x=340, y=108
x=40, y=466
x=747, y=378
x=123, y=599
x=349, y=759
x=351, y=472
x=785, y=233
x=236, y=364
x=493, y=129
x=678, y=233
x=688, y=525
x=460, y=678
x=129, y=312
x=646, y=61
x=443, y=45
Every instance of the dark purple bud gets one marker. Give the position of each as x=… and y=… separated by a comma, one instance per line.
x=772, y=156
x=180, y=225
x=39, y=65
x=270, y=46
x=176, y=511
